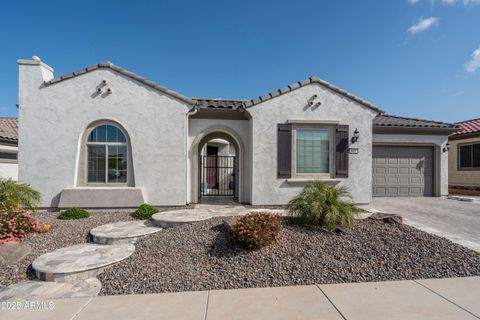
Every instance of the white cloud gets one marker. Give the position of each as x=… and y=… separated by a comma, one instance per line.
x=413, y=1
x=474, y=63
x=465, y=2
x=423, y=24
x=449, y=2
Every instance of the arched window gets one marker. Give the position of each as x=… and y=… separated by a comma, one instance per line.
x=106, y=155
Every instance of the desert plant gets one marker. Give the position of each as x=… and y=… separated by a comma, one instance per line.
x=323, y=205
x=145, y=211
x=16, y=224
x=74, y=213
x=15, y=195
x=256, y=230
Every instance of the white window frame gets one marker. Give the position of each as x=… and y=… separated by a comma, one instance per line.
x=331, y=140
x=106, y=145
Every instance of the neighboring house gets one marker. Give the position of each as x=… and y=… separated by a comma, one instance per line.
x=8, y=148
x=464, y=156
x=106, y=137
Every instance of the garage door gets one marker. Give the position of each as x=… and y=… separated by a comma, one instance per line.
x=402, y=171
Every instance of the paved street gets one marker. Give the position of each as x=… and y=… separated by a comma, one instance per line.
x=455, y=298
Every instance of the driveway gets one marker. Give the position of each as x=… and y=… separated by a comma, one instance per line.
x=456, y=220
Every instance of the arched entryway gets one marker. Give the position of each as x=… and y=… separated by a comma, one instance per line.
x=218, y=161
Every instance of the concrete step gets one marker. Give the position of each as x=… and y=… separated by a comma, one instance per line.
x=123, y=232
x=79, y=262
x=173, y=218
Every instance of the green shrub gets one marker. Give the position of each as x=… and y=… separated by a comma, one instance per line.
x=15, y=195
x=256, y=230
x=145, y=211
x=15, y=224
x=74, y=213
x=322, y=205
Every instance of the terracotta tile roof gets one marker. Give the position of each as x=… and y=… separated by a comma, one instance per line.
x=386, y=120
x=9, y=130
x=205, y=103
x=109, y=65
x=299, y=84
x=468, y=127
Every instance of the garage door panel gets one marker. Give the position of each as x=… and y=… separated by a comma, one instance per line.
x=402, y=171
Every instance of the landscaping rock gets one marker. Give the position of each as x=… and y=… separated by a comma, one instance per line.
x=387, y=217
x=13, y=251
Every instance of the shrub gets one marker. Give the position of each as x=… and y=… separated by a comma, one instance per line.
x=145, y=211
x=16, y=224
x=74, y=213
x=256, y=230
x=15, y=195
x=323, y=205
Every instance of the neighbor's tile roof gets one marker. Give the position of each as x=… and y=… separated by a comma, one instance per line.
x=468, y=127
x=9, y=130
x=385, y=120
x=109, y=65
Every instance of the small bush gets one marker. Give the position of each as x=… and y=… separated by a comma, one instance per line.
x=74, y=213
x=145, y=211
x=16, y=224
x=257, y=230
x=15, y=195
x=322, y=205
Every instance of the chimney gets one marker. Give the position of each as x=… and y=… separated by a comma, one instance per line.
x=31, y=76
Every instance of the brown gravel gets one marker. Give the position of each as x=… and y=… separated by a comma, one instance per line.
x=202, y=256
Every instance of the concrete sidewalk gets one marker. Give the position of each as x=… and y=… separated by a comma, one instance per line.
x=455, y=298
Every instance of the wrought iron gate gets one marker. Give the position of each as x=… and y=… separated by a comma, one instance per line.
x=217, y=175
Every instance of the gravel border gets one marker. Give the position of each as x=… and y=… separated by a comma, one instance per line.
x=202, y=256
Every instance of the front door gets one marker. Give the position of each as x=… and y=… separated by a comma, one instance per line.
x=217, y=174
x=211, y=167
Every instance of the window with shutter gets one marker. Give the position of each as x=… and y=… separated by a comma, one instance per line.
x=284, y=151
x=341, y=152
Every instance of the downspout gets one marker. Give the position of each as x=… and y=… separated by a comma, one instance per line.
x=190, y=112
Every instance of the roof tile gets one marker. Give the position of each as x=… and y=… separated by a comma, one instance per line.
x=468, y=127
x=9, y=130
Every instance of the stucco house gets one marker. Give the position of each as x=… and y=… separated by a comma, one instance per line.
x=106, y=137
x=464, y=156
x=8, y=148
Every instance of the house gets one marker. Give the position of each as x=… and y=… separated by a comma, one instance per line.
x=464, y=156
x=104, y=137
x=8, y=148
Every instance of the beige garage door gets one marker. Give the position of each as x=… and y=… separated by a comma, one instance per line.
x=402, y=171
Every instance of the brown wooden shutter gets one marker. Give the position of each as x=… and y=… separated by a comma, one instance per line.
x=284, y=151
x=341, y=151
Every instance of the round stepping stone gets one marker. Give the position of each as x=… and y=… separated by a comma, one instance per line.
x=169, y=219
x=123, y=232
x=79, y=262
x=41, y=290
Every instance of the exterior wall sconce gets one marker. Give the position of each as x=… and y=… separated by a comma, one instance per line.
x=447, y=147
x=356, y=134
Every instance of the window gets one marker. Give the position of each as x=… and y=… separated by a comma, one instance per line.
x=312, y=151
x=6, y=156
x=469, y=156
x=106, y=155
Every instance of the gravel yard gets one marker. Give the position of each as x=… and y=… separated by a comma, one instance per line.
x=63, y=233
x=201, y=256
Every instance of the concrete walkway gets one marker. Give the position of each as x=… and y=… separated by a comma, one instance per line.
x=455, y=298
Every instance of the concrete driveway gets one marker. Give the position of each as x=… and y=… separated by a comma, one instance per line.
x=456, y=220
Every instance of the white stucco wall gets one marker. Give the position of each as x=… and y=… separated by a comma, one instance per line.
x=267, y=189
x=456, y=177
x=198, y=127
x=53, y=118
x=440, y=157
x=8, y=168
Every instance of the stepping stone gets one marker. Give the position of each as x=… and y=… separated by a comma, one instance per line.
x=79, y=262
x=173, y=218
x=41, y=290
x=13, y=251
x=123, y=232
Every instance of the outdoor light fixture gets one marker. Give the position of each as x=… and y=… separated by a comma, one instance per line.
x=356, y=134
x=447, y=147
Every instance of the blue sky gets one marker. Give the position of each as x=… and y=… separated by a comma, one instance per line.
x=418, y=58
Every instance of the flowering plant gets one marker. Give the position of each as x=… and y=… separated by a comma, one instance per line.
x=15, y=224
x=257, y=229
